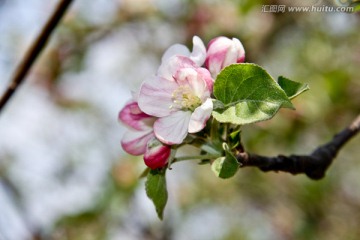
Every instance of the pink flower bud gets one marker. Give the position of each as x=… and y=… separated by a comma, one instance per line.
x=222, y=52
x=140, y=128
x=157, y=154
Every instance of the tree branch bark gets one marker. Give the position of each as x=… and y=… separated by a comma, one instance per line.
x=34, y=51
x=313, y=165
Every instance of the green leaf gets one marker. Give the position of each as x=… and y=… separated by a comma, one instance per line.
x=292, y=88
x=218, y=104
x=156, y=190
x=235, y=138
x=249, y=93
x=225, y=167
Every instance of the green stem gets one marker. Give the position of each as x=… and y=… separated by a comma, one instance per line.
x=225, y=132
x=214, y=131
x=196, y=157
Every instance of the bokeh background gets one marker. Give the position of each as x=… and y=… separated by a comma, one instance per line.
x=63, y=174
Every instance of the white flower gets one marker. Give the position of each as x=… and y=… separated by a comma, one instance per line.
x=179, y=96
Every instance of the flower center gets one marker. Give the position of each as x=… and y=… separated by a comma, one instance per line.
x=184, y=99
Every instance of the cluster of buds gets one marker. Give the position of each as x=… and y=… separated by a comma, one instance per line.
x=177, y=100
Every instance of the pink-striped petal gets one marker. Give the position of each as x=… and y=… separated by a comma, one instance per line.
x=206, y=76
x=198, y=54
x=132, y=116
x=240, y=50
x=200, y=116
x=235, y=53
x=169, y=68
x=157, y=154
x=214, y=62
x=190, y=77
x=216, y=53
x=173, y=128
x=222, y=52
x=135, y=142
x=155, y=96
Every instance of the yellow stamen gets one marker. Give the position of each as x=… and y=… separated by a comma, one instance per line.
x=184, y=99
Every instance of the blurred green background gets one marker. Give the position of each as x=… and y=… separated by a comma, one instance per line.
x=63, y=174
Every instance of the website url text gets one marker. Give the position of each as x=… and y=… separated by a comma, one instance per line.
x=296, y=9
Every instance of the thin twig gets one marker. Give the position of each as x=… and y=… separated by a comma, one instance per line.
x=313, y=165
x=34, y=51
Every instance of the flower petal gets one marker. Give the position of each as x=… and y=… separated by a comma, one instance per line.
x=216, y=53
x=200, y=116
x=135, y=142
x=222, y=52
x=176, y=49
x=206, y=76
x=235, y=53
x=155, y=96
x=198, y=54
x=157, y=154
x=240, y=50
x=132, y=116
x=169, y=68
x=195, y=79
x=173, y=128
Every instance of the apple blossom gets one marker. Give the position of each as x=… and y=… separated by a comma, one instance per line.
x=222, y=52
x=180, y=97
x=173, y=107
x=140, y=134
